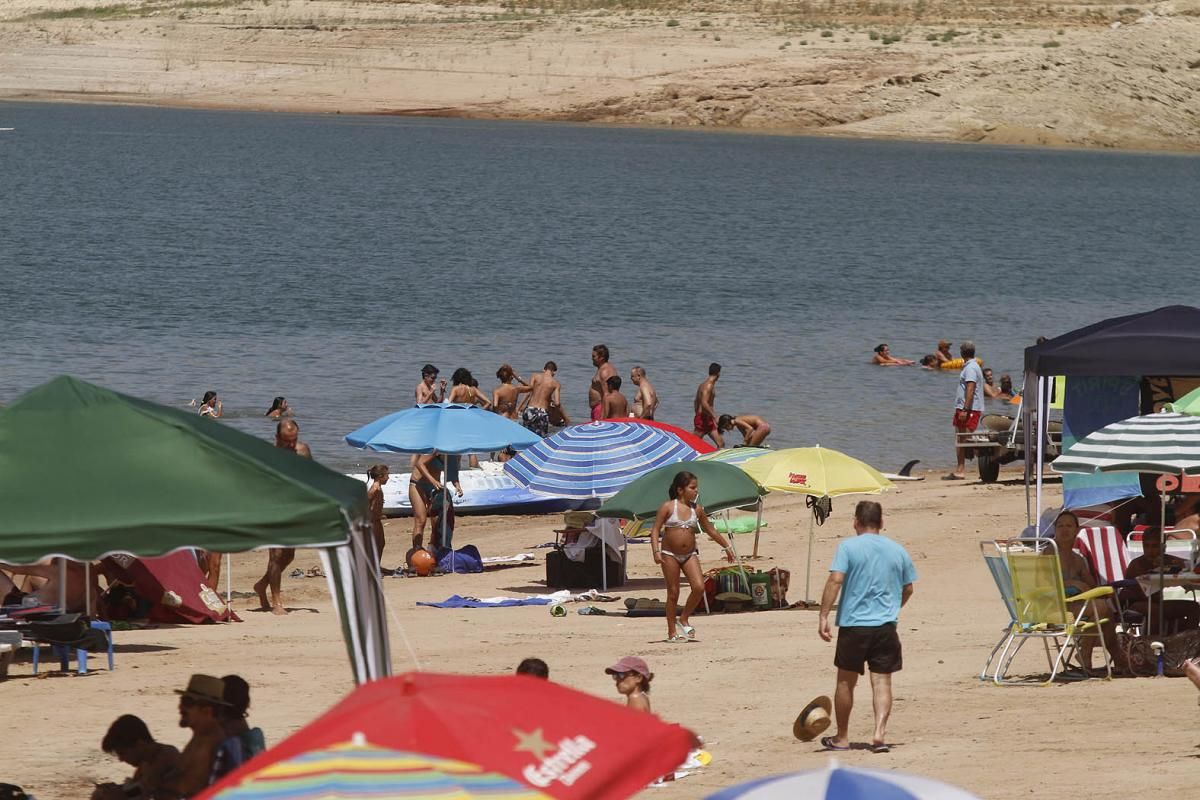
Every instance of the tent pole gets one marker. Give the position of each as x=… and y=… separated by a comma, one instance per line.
x=62, y=585
x=1041, y=417
x=757, y=527
x=1025, y=415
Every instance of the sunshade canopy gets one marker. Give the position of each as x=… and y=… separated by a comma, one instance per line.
x=85, y=471
x=816, y=471
x=1165, y=443
x=594, y=460
x=721, y=486
x=687, y=437
x=836, y=782
x=1188, y=404
x=351, y=770
x=734, y=455
x=1165, y=341
x=445, y=427
x=559, y=741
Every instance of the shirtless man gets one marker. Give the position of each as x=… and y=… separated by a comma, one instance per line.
x=754, y=429
x=1078, y=578
x=426, y=391
x=705, y=423
x=943, y=353
x=645, y=402
x=506, y=395
x=599, y=387
x=287, y=437
x=198, y=711
x=990, y=389
x=156, y=765
x=616, y=405
x=543, y=398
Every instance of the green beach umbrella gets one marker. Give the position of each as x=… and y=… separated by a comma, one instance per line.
x=1188, y=404
x=722, y=486
x=86, y=472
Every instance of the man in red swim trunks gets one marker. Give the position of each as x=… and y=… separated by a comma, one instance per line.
x=705, y=423
x=968, y=406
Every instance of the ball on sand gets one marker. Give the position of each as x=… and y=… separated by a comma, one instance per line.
x=422, y=562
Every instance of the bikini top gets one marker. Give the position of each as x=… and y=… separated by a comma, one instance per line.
x=674, y=521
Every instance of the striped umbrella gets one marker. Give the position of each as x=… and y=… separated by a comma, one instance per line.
x=594, y=460
x=357, y=770
x=844, y=783
x=1166, y=442
x=735, y=455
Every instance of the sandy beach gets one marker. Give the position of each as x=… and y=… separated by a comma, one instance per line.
x=1055, y=74
x=740, y=687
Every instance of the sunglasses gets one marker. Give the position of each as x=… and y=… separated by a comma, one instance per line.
x=620, y=676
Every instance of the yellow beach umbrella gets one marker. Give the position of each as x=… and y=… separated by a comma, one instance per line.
x=817, y=472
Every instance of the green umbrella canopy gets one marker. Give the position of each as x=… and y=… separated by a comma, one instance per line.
x=1188, y=404
x=85, y=471
x=721, y=486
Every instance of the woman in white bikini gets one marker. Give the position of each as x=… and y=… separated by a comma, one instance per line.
x=677, y=521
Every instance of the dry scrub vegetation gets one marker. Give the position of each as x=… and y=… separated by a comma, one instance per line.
x=1094, y=74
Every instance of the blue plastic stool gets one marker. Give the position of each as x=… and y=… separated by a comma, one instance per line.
x=63, y=652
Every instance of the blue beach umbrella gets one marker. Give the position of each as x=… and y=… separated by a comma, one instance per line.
x=595, y=460
x=844, y=783
x=452, y=428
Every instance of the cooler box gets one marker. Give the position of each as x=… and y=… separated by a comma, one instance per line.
x=563, y=573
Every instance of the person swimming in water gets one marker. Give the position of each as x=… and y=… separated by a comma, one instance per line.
x=884, y=358
x=279, y=408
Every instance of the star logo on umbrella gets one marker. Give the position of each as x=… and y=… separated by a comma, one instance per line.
x=797, y=479
x=533, y=742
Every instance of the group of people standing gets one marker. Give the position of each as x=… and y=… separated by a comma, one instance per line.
x=537, y=402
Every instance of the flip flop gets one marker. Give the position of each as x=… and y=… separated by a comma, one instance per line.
x=880, y=747
x=953, y=477
x=827, y=743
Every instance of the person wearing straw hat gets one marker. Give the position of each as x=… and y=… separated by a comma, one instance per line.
x=200, y=707
x=874, y=577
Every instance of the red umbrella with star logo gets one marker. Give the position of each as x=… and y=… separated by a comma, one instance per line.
x=559, y=741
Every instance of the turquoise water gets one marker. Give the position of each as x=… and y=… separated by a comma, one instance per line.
x=326, y=258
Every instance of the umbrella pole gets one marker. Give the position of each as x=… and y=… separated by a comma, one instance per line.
x=62, y=585
x=87, y=588
x=808, y=565
x=228, y=578
x=757, y=527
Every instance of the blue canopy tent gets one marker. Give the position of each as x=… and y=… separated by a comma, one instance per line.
x=1119, y=367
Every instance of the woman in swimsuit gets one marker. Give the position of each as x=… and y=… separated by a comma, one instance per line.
x=464, y=389
x=754, y=429
x=424, y=481
x=677, y=522
x=279, y=409
x=211, y=406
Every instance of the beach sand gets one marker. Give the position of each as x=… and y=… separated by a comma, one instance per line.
x=740, y=687
x=1054, y=74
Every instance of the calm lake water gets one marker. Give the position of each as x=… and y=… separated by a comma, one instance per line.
x=326, y=258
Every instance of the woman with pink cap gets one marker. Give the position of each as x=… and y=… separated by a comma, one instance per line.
x=633, y=677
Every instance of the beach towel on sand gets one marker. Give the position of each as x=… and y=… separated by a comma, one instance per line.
x=466, y=559
x=457, y=601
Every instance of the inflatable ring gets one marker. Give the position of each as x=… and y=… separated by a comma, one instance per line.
x=956, y=363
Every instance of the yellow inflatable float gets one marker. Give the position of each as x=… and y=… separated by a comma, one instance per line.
x=956, y=363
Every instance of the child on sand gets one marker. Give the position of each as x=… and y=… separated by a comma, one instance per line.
x=378, y=475
x=633, y=677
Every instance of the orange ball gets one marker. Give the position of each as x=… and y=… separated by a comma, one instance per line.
x=423, y=562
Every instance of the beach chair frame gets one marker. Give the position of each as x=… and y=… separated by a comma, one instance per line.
x=993, y=557
x=1043, y=611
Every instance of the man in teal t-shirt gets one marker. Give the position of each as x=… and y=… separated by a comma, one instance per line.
x=874, y=576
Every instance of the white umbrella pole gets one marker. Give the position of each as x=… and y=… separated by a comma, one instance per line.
x=87, y=588
x=808, y=565
x=757, y=528
x=62, y=585
x=228, y=579
x=1042, y=414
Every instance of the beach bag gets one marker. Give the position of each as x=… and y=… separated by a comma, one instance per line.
x=1177, y=651
x=466, y=559
x=780, y=579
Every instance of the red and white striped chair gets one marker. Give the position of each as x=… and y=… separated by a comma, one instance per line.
x=1104, y=548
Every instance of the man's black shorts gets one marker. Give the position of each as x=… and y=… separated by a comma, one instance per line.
x=878, y=646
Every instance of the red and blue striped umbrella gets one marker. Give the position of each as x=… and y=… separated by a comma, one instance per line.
x=595, y=460
x=844, y=783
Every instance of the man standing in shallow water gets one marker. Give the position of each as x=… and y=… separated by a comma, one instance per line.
x=287, y=437
x=645, y=401
x=599, y=387
x=543, y=400
x=705, y=422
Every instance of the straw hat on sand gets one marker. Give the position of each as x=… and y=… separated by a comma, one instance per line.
x=813, y=720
